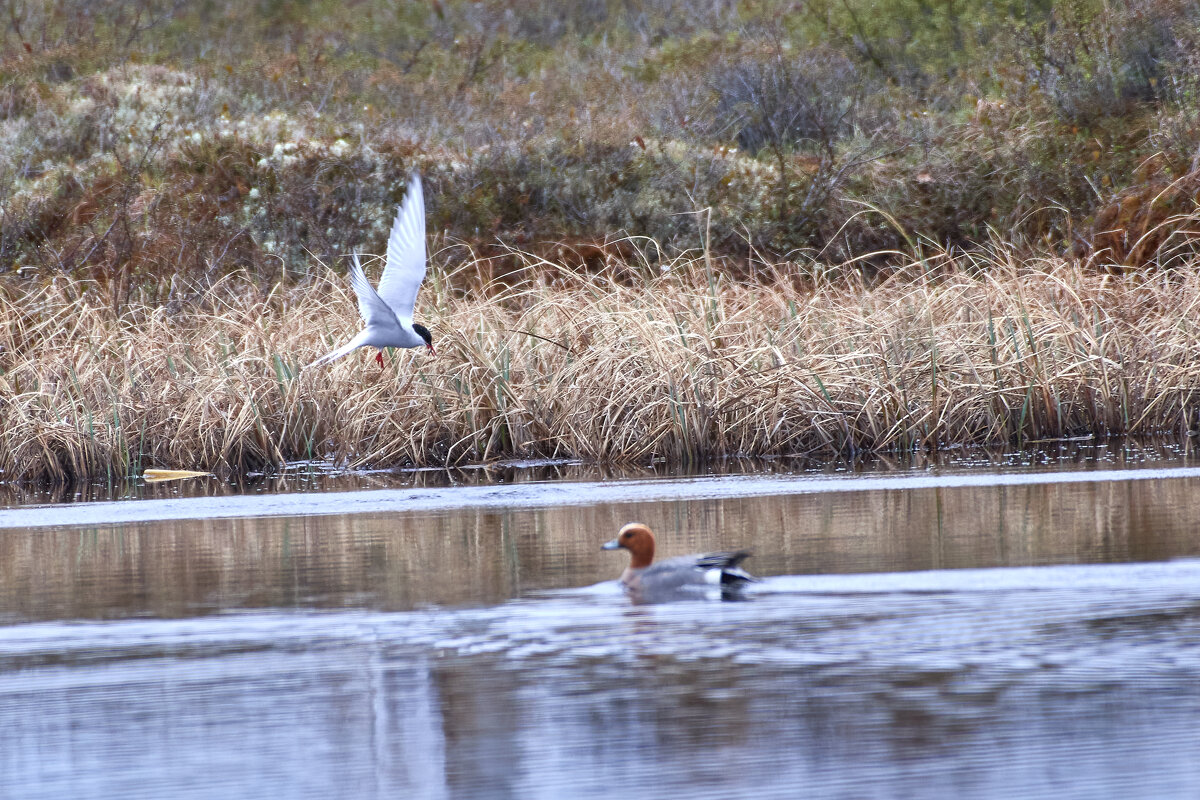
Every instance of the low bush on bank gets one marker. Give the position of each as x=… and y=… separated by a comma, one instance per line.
x=141, y=139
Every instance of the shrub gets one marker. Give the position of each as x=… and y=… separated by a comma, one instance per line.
x=1095, y=60
x=804, y=101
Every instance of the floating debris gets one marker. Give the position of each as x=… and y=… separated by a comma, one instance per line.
x=157, y=475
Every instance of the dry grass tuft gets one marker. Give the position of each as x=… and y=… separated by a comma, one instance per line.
x=680, y=365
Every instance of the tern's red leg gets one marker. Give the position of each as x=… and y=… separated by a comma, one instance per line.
x=379, y=358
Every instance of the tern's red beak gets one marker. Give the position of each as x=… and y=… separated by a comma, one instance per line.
x=432, y=352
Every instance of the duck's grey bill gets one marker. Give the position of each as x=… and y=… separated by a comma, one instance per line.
x=613, y=545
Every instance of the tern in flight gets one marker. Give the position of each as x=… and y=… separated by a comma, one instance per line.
x=387, y=312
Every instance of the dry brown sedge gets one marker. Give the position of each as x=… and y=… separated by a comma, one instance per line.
x=684, y=364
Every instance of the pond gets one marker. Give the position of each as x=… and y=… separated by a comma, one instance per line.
x=975, y=625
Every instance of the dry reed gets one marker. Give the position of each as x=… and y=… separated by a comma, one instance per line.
x=680, y=365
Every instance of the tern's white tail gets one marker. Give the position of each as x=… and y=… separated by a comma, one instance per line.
x=341, y=351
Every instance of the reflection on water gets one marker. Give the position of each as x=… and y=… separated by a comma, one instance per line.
x=324, y=477
x=1054, y=682
x=489, y=653
x=400, y=561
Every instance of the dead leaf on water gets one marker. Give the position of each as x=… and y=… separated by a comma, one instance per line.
x=156, y=475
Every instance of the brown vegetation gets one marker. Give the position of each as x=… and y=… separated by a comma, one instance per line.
x=1152, y=222
x=681, y=365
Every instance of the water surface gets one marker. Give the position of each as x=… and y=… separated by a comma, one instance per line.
x=916, y=635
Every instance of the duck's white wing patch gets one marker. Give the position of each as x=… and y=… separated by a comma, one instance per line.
x=375, y=312
x=405, y=268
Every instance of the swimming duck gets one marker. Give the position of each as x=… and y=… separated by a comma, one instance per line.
x=676, y=578
x=387, y=313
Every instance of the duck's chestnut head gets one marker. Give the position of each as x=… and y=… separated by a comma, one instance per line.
x=637, y=538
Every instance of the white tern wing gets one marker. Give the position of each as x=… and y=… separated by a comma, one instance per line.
x=374, y=310
x=405, y=268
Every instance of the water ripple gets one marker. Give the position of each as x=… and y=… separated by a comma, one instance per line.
x=988, y=683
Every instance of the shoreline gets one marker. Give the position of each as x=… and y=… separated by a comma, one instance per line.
x=419, y=500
